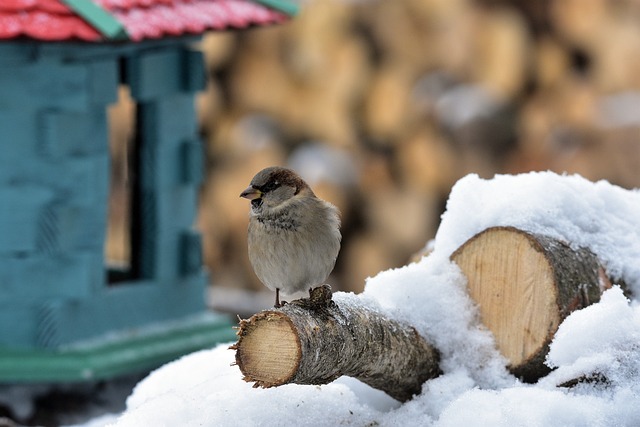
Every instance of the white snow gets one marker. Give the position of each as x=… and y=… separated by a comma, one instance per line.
x=204, y=389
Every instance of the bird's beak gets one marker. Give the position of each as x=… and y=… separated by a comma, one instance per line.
x=251, y=193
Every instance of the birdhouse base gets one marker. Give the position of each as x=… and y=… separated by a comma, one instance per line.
x=117, y=353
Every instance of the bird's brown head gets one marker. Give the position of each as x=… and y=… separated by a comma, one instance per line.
x=273, y=186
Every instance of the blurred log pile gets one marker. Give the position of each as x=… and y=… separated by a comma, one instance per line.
x=383, y=104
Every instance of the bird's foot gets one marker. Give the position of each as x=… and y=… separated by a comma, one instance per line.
x=280, y=304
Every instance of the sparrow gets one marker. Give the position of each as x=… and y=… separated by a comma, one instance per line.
x=294, y=236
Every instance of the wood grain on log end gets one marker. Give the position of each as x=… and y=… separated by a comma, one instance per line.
x=271, y=357
x=525, y=285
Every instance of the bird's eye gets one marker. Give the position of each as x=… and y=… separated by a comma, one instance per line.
x=270, y=186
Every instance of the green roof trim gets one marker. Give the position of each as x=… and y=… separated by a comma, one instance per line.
x=284, y=6
x=99, y=18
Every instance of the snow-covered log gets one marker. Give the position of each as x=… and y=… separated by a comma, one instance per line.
x=315, y=340
x=525, y=285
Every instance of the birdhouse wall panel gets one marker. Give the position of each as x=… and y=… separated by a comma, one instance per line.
x=167, y=167
x=77, y=182
x=175, y=119
x=147, y=247
x=14, y=54
x=165, y=215
x=155, y=73
x=191, y=160
x=47, y=240
x=176, y=213
x=194, y=70
x=174, y=123
x=37, y=277
x=52, y=220
x=95, y=277
x=103, y=82
x=18, y=140
x=83, y=181
x=190, y=253
x=64, y=133
x=18, y=325
x=44, y=85
x=167, y=264
x=165, y=125
x=147, y=140
x=178, y=207
x=48, y=332
x=172, y=167
x=168, y=124
x=124, y=308
x=20, y=215
x=80, y=228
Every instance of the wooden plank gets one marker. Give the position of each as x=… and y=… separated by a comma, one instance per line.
x=191, y=162
x=44, y=85
x=193, y=71
x=190, y=253
x=38, y=277
x=64, y=133
x=154, y=74
x=104, y=79
x=19, y=217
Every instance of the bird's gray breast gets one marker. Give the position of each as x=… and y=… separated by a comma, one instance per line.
x=293, y=252
x=278, y=223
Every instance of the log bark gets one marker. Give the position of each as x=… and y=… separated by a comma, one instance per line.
x=315, y=340
x=525, y=285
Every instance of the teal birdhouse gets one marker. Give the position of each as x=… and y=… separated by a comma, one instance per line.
x=65, y=313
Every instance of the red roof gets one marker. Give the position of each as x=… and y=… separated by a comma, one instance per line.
x=53, y=20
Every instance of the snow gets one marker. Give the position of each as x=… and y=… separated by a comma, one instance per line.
x=602, y=340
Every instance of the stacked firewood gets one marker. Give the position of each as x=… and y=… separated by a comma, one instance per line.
x=385, y=104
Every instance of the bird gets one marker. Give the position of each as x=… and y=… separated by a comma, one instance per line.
x=293, y=235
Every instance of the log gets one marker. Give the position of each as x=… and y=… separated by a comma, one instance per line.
x=525, y=285
x=315, y=340
x=594, y=378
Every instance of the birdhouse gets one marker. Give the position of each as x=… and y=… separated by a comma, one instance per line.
x=66, y=313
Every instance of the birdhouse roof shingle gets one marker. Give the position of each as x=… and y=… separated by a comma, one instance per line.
x=134, y=20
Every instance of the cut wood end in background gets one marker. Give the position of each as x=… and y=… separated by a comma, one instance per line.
x=525, y=285
x=505, y=268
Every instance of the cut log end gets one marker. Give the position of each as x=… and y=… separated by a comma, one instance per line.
x=271, y=357
x=525, y=285
x=506, y=268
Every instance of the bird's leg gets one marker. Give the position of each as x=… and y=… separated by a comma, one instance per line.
x=278, y=302
x=278, y=305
